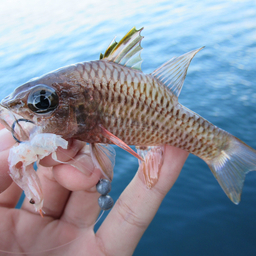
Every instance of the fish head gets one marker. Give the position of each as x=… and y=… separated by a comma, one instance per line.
x=45, y=101
x=29, y=100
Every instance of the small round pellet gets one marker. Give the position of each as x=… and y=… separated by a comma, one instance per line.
x=103, y=186
x=105, y=202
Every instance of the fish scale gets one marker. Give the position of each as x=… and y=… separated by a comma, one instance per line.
x=142, y=111
x=111, y=101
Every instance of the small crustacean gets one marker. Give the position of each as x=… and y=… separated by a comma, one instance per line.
x=21, y=160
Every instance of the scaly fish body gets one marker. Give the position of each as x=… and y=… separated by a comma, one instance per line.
x=140, y=110
x=111, y=100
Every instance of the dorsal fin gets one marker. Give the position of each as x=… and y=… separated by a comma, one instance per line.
x=173, y=72
x=127, y=51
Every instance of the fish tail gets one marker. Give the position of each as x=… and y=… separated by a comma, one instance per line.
x=231, y=166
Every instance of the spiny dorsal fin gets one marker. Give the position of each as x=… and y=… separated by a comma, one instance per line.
x=127, y=51
x=173, y=72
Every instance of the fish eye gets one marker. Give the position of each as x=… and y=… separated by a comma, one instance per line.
x=43, y=99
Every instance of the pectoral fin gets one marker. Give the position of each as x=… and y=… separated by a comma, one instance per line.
x=103, y=157
x=118, y=142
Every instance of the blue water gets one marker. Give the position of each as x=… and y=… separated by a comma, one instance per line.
x=196, y=217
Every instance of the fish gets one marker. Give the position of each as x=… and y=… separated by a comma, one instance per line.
x=111, y=101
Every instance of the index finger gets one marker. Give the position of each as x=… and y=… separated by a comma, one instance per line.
x=7, y=141
x=136, y=207
x=5, y=179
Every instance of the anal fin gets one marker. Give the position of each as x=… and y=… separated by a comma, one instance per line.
x=153, y=161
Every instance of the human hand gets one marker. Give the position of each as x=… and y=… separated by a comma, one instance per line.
x=71, y=208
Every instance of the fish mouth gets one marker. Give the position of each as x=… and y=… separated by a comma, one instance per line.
x=4, y=102
x=7, y=117
x=15, y=99
x=19, y=127
x=13, y=104
x=7, y=102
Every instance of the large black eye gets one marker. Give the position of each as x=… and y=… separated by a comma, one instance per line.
x=43, y=99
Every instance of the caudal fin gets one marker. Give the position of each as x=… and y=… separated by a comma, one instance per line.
x=231, y=166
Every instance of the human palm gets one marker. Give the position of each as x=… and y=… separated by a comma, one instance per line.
x=71, y=208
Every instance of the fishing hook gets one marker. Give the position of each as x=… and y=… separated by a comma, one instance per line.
x=13, y=126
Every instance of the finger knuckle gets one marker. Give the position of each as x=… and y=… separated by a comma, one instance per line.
x=129, y=215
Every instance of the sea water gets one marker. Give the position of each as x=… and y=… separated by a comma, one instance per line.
x=196, y=217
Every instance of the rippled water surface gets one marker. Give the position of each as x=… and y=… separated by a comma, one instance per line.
x=196, y=217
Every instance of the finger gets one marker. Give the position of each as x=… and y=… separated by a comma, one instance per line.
x=73, y=179
x=5, y=179
x=82, y=207
x=6, y=139
x=55, y=195
x=10, y=197
x=63, y=155
x=56, y=186
x=137, y=206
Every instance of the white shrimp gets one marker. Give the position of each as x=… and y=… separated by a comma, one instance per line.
x=21, y=159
